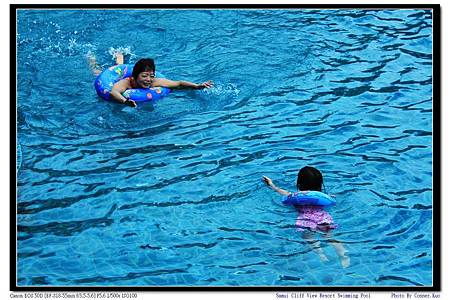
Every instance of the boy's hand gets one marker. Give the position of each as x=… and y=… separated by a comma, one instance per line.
x=130, y=103
x=208, y=84
x=267, y=180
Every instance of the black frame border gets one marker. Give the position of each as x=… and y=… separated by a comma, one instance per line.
x=436, y=152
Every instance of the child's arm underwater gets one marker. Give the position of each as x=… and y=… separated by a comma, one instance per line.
x=269, y=182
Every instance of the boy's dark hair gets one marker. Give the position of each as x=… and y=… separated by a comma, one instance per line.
x=143, y=65
x=309, y=179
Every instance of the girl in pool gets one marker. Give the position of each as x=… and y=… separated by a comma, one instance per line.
x=143, y=77
x=313, y=219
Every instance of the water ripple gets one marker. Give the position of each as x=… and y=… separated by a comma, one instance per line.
x=68, y=228
x=105, y=280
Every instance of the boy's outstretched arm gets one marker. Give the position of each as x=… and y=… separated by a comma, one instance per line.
x=269, y=182
x=180, y=84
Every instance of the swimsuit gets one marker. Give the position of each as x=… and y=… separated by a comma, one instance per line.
x=314, y=218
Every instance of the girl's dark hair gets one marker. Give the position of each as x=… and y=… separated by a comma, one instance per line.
x=143, y=65
x=309, y=179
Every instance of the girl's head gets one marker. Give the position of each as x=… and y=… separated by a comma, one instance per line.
x=309, y=179
x=144, y=72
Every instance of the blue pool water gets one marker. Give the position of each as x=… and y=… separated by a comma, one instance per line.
x=170, y=193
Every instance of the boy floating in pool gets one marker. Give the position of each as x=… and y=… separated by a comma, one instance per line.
x=313, y=219
x=143, y=77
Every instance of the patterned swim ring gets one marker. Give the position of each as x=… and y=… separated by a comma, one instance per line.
x=106, y=80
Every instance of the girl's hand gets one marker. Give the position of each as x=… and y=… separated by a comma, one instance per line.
x=267, y=180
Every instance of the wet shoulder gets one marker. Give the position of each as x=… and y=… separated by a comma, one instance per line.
x=124, y=84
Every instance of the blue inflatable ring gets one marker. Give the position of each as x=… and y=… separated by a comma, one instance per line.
x=309, y=198
x=106, y=80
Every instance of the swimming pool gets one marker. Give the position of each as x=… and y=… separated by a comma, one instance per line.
x=170, y=194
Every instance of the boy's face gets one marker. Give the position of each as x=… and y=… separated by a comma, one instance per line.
x=145, y=79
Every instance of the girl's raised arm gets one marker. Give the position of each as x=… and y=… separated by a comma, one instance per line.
x=269, y=182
